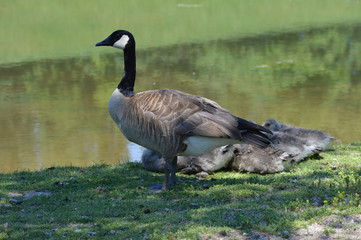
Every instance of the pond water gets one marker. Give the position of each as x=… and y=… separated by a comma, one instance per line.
x=54, y=112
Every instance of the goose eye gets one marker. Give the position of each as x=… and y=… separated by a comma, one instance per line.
x=116, y=35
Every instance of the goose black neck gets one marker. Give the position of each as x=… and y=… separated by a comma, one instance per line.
x=126, y=85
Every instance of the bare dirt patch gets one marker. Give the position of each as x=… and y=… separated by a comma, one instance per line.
x=332, y=227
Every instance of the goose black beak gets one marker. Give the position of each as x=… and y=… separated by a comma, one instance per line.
x=105, y=42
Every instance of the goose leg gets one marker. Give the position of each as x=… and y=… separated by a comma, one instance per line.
x=170, y=168
x=173, y=171
x=167, y=171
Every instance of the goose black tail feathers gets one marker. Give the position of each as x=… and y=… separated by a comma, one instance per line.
x=254, y=134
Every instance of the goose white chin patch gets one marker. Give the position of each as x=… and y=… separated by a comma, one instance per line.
x=122, y=42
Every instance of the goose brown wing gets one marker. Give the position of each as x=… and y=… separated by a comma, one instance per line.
x=186, y=114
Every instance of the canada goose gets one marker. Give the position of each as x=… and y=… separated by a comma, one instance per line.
x=255, y=160
x=172, y=122
x=315, y=138
x=217, y=159
x=154, y=162
x=209, y=162
x=295, y=147
x=274, y=125
x=286, y=149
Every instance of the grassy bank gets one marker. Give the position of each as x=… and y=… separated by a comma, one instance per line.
x=112, y=202
x=41, y=29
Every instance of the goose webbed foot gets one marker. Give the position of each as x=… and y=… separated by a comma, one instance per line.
x=169, y=177
x=155, y=187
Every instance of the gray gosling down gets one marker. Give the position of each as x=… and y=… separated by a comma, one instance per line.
x=212, y=161
x=264, y=161
x=297, y=148
x=314, y=138
x=171, y=122
x=285, y=150
x=239, y=157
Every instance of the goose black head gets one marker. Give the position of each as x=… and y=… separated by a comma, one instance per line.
x=119, y=39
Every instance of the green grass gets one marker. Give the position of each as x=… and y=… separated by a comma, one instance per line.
x=112, y=202
x=38, y=29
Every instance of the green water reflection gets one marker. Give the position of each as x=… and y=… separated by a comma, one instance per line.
x=55, y=112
